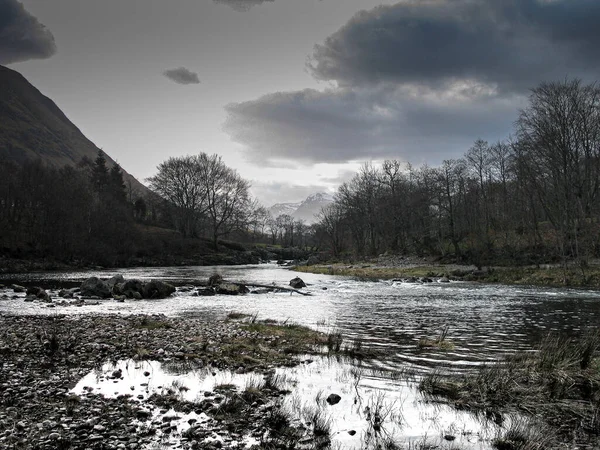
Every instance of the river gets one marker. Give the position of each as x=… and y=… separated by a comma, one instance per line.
x=483, y=321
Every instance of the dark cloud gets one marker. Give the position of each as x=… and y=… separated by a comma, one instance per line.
x=341, y=125
x=22, y=36
x=182, y=75
x=512, y=44
x=421, y=80
x=242, y=5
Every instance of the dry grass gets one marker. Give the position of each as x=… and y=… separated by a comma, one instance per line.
x=559, y=383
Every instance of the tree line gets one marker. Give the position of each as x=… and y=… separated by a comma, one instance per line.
x=210, y=199
x=87, y=213
x=529, y=199
x=66, y=213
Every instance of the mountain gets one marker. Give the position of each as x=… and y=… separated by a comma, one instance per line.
x=32, y=127
x=305, y=210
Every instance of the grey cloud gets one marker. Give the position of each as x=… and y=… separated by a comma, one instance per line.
x=341, y=125
x=182, y=75
x=512, y=44
x=242, y=5
x=22, y=36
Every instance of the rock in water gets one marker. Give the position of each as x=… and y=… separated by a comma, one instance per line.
x=297, y=283
x=231, y=289
x=333, y=399
x=94, y=286
x=157, y=289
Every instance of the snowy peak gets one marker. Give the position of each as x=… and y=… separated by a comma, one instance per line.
x=305, y=210
x=319, y=197
x=284, y=208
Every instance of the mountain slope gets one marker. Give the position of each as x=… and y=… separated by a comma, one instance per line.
x=33, y=127
x=305, y=210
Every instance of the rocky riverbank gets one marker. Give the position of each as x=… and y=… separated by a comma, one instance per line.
x=43, y=358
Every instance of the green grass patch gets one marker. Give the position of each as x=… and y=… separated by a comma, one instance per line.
x=298, y=334
x=148, y=323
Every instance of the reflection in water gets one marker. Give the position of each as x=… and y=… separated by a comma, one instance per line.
x=370, y=410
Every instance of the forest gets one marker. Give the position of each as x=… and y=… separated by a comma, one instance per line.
x=530, y=199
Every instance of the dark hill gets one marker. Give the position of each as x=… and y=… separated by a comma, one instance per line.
x=32, y=127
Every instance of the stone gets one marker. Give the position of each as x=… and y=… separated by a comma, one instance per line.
x=18, y=288
x=297, y=283
x=444, y=280
x=39, y=293
x=231, y=289
x=157, y=289
x=333, y=399
x=215, y=279
x=113, y=281
x=129, y=288
x=204, y=292
x=94, y=286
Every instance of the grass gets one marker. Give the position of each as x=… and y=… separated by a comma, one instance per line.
x=237, y=316
x=440, y=343
x=149, y=323
x=559, y=383
x=543, y=276
x=524, y=434
x=296, y=336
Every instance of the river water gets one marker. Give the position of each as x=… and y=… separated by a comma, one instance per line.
x=483, y=323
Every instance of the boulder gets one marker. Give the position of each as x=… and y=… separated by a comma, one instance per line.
x=129, y=288
x=231, y=289
x=39, y=293
x=94, y=286
x=117, y=279
x=444, y=280
x=18, y=288
x=297, y=283
x=204, y=292
x=215, y=279
x=157, y=289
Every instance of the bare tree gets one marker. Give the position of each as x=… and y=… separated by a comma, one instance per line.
x=179, y=180
x=559, y=134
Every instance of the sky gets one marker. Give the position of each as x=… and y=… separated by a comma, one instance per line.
x=296, y=94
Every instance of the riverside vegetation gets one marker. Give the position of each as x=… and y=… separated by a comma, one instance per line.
x=555, y=391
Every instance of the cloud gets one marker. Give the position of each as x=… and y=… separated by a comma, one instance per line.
x=408, y=122
x=182, y=75
x=420, y=80
x=509, y=44
x=22, y=36
x=242, y=5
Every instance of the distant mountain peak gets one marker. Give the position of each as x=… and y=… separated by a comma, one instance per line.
x=304, y=210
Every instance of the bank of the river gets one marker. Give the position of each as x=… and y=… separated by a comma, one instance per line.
x=556, y=389
x=42, y=359
x=417, y=269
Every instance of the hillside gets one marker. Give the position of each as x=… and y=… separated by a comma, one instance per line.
x=33, y=127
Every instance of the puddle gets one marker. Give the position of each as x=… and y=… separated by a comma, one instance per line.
x=372, y=409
